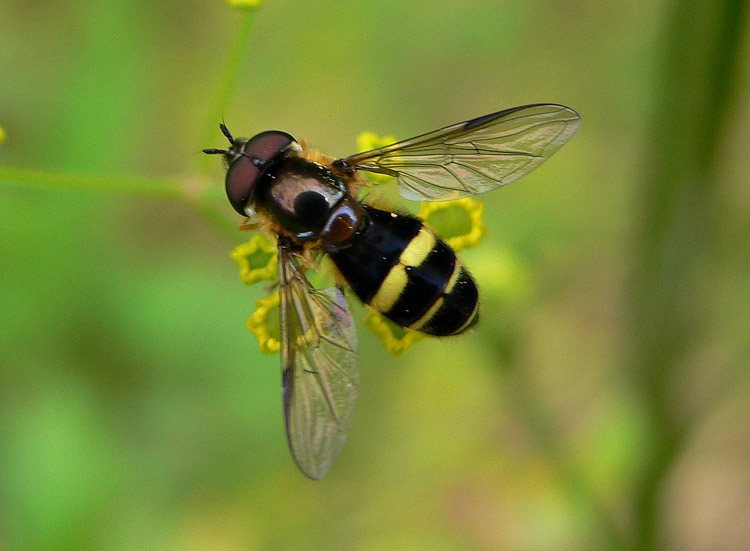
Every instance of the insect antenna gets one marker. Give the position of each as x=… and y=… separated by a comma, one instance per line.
x=214, y=151
x=226, y=132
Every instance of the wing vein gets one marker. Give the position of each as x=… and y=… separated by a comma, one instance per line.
x=491, y=151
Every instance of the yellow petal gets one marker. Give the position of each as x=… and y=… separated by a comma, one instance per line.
x=264, y=324
x=397, y=339
x=369, y=140
x=257, y=260
x=458, y=223
x=245, y=4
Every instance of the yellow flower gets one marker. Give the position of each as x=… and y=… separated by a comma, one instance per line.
x=369, y=140
x=246, y=4
x=3, y=135
x=397, y=339
x=264, y=323
x=257, y=260
x=458, y=223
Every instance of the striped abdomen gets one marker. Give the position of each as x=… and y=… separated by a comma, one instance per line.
x=402, y=270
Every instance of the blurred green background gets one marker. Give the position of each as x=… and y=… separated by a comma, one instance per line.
x=601, y=403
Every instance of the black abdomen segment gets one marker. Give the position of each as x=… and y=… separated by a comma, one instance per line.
x=402, y=270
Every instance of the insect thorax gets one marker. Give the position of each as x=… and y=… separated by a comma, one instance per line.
x=300, y=195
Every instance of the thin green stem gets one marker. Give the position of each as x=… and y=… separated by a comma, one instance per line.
x=168, y=188
x=524, y=403
x=575, y=482
x=193, y=191
x=676, y=232
x=227, y=83
x=204, y=198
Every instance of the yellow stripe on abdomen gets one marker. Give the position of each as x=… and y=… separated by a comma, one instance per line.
x=395, y=282
x=391, y=288
x=424, y=320
x=418, y=248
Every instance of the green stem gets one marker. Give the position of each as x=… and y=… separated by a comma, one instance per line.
x=573, y=480
x=227, y=83
x=522, y=400
x=168, y=188
x=192, y=191
x=203, y=198
x=676, y=232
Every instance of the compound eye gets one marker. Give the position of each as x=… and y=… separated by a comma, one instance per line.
x=241, y=179
x=266, y=145
x=249, y=165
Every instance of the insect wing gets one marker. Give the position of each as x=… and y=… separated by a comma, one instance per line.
x=319, y=367
x=472, y=157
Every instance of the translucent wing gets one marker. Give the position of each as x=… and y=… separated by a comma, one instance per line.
x=474, y=156
x=319, y=367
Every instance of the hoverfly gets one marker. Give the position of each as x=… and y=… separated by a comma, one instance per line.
x=308, y=202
